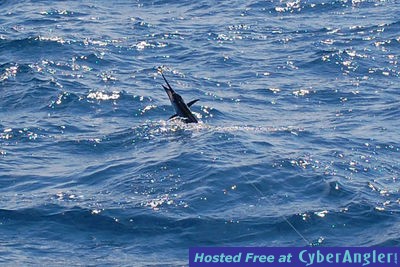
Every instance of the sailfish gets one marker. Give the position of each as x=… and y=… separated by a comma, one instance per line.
x=181, y=108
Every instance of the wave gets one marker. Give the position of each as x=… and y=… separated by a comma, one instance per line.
x=305, y=7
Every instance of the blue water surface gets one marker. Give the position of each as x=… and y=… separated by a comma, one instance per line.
x=298, y=142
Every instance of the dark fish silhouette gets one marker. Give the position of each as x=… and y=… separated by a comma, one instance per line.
x=181, y=108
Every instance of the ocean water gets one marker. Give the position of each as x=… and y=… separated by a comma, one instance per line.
x=298, y=142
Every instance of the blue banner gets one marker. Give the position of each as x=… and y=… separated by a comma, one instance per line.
x=294, y=257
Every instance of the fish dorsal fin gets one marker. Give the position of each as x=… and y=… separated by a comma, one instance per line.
x=192, y=102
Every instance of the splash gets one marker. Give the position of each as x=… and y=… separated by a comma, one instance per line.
x=163, y=126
